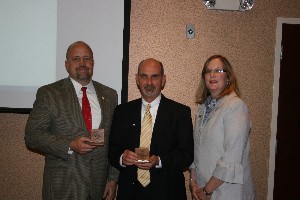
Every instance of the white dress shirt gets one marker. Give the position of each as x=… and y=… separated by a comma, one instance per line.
x=94, y=103
x=153, y=110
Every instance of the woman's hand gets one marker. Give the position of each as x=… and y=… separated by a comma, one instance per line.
x=195, y=190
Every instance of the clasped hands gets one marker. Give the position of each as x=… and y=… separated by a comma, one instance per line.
x=197, y=192
x=130, y=158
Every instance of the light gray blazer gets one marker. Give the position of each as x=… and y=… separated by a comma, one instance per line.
x=54, y=121
x=221, y=149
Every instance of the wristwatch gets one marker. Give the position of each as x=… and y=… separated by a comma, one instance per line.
x=206, y=193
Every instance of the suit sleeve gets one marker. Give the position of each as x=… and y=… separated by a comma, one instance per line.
x=236, y=124
x=113, y=173
x=116, y=141
x=37, y=134
x=181, y=154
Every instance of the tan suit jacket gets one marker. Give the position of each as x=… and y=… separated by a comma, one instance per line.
x=54, y=121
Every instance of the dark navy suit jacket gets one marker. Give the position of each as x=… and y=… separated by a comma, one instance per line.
x=172, y=141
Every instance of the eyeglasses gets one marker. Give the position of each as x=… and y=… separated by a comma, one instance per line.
x=216, y=71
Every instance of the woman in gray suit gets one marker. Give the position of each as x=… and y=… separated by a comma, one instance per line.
x=221, y=167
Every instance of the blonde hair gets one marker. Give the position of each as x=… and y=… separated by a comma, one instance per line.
x=232, y=86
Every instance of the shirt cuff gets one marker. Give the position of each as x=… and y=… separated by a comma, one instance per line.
x=120, y=161
x=159, y=163
x=70, y=151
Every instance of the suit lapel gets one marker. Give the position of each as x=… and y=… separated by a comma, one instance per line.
x=101, y=100
x=161, y=115
x=136, y=121
x=71, y=99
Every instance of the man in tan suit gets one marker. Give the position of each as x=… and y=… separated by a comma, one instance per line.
x=74, y=168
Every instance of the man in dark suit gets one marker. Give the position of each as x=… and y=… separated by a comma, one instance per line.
x=74, y=167
x=171, y=148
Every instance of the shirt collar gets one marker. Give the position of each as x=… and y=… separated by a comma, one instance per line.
x=154, y=103
x=90, y=87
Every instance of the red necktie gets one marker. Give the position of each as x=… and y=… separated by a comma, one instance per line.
x=86, y=110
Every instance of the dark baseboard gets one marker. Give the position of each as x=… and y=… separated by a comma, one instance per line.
x=15, y=110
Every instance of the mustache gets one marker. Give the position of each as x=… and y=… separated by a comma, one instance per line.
x=149, y=87
x=82, y=67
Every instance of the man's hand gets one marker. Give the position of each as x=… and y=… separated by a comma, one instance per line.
x=129, y=157
x=153, y=161
x=110, y=190
x=81, y=145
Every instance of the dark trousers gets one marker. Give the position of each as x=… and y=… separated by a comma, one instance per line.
x=143, y=193
x=89, y=197
x=136, y=192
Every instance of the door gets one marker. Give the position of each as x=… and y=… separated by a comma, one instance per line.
x=287, y=157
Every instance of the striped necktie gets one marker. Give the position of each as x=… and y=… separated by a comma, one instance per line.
x=145, y=141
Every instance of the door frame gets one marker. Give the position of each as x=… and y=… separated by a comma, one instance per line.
x=273, y=141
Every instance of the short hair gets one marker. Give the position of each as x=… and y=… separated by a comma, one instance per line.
x=78, y=43
x=232, y=86
x=162, y=71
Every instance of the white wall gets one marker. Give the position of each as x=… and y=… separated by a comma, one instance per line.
x=100, y=24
